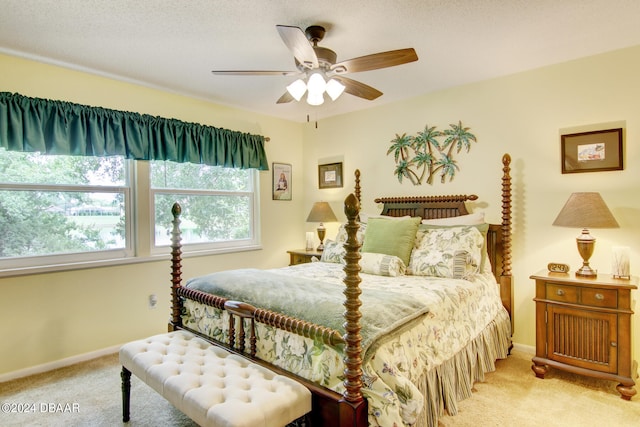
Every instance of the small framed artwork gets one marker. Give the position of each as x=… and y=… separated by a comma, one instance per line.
x=592, y=151
x=330, y=175
x=281, y=181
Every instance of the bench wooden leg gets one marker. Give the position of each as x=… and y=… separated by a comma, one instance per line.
x=126, y=393
x=303, y=421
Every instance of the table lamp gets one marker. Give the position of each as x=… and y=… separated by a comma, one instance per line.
x=586, y=210
x=321, y=212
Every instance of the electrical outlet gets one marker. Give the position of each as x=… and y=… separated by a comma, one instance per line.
x=153, y=300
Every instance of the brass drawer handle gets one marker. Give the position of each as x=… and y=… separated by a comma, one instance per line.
x=560, y=292
x=599, y=297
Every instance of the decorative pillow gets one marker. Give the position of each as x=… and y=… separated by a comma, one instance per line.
x=381, y=264
x=470, y=219
x=333, y=252
x=485, y=265
x=391, y=237
x=453, y=252
x=342, y=233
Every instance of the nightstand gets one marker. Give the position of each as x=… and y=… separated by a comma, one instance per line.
x=583, y=325
x=301, y=256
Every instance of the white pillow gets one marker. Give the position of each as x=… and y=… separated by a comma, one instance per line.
x=381, y=264
x=470, y=219
x=365, y=217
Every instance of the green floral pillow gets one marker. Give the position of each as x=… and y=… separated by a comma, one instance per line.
x=342, y=233
x=333, y=252
x=381, y=264
x=483, y=228
x=453, y=252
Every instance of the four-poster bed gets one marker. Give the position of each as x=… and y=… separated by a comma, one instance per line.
x=361, y=369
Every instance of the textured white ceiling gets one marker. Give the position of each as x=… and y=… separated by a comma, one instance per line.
x=174, y=45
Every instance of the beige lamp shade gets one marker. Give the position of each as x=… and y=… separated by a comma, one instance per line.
x=586, y=210
x=321, y=212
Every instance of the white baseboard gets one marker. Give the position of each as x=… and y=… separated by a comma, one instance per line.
x=38, y=369
x=528, y=349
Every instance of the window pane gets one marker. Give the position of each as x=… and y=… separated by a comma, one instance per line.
x=198, y=177
x=34, y=223
x=35, y=168
x=215, y=218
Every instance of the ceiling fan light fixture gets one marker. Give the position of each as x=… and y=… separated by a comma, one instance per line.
x=314, y=62
x=334, y=89
x=315, y=98
x=316, y=85
x=297, y=89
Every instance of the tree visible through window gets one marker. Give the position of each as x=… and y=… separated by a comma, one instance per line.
x=217, y=203
x=61, y=204
x=58, y=209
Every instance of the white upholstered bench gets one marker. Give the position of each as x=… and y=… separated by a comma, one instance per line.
x=211, y=385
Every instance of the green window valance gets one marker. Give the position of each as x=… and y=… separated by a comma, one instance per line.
x=59, y=127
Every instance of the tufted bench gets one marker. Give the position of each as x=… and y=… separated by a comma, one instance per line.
x=211, y=385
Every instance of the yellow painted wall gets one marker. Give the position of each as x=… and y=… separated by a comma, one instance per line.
x=50, y=317
x=522, y=114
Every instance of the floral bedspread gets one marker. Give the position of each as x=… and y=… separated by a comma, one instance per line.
x=395, y=366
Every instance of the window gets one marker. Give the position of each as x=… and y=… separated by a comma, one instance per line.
x=70, y=209
x=64, y=208
x=218, y=204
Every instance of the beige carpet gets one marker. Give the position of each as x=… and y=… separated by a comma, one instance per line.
x=513, y=396
x=88, y=394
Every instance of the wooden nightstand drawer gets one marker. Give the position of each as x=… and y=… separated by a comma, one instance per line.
x=300, y=259
x=599, y=297
x=302, y=256
x=556, y=292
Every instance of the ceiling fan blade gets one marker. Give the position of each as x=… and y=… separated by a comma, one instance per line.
x=376, y=61
x=358, y=89
x=299, y=45
x=254, y=73
x=286, y=97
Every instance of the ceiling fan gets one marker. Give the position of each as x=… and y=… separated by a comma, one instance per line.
x=318, y=66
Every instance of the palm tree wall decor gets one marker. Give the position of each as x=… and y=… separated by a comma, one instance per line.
x=429, y=152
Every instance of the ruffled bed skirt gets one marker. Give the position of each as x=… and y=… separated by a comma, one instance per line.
x=452, y=381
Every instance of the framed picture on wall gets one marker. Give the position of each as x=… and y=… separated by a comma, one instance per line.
x=330, y=175
x=592, y=151
x=281, y=181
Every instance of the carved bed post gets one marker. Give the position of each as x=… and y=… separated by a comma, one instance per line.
x=176, y=269
x=506, y=278
x=357, y=190
x=353, y=404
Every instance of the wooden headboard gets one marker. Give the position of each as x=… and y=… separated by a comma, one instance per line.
x=426, y=207
x=498, y=235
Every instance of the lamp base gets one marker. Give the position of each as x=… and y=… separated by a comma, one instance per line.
x=586, y=271
x=586, y=243
x=321, y=233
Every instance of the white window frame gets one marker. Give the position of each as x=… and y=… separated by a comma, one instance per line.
x=139, y=230
x=251, y=243
x=76, y=257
